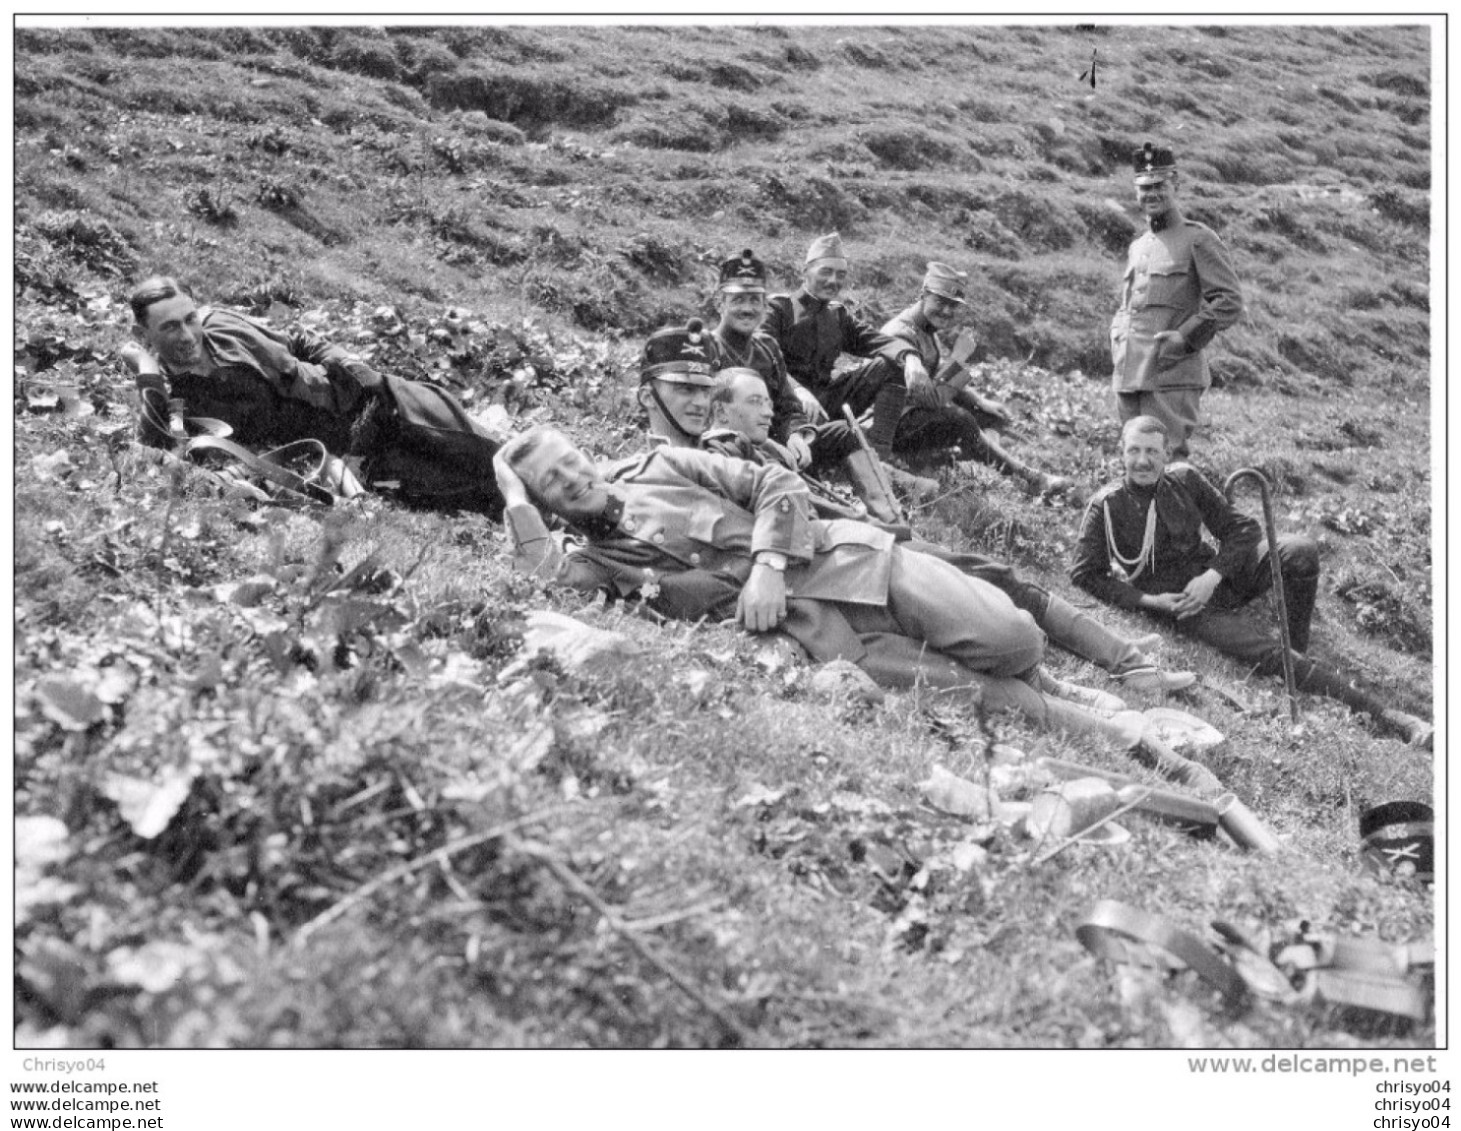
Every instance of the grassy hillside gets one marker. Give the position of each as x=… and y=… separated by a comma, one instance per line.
x=304, y=803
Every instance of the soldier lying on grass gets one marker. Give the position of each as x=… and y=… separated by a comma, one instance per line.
x=740, y=411
x=1141, y=547
x=701, y=535
x=273, y=389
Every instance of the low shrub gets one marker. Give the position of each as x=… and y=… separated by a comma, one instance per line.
x=88, y=240
x=1400, y=82
x=533, y=101
x=213, y=205
x=1040, y=222
x=374, y=57
x=983, y=231
x=733, y=76
x=1107, y=225
x=1394, y=203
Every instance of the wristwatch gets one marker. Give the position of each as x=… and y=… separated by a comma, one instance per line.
x=772, y=560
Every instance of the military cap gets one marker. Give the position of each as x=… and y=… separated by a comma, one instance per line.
x=679, y=355
x=1153, y=163
x=826, y=247
x=743, y=273
x=946, y=282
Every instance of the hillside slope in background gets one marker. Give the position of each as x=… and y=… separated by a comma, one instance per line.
x=500, y=167
x=282, y=780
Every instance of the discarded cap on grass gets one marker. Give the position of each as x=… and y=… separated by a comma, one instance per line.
x=1398, y=833
x=1072, y=807
x=1243, y=825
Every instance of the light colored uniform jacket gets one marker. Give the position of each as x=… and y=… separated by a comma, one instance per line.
x=1176, y=279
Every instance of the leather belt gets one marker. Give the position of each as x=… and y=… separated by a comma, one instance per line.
x=1110, y=928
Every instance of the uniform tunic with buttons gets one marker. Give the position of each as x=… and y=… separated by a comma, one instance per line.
x=1185, y=504
x=813, y=334
x=1178, y=277
x=685, y=515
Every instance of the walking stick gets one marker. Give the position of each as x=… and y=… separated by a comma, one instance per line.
x=1283, y=611
x=877, y=465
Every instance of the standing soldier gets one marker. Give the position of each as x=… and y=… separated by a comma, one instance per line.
x=1178, y=292
x=814, y=329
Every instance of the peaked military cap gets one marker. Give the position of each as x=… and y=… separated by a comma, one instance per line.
x=678, y=354
x=743, y=273
x=946, y=281
x=826, y=247
x=1153, y=163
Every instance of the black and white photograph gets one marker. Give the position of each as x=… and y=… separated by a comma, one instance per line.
x=735, y=533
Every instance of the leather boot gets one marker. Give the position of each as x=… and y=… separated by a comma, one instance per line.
x=1313, y=676
x=887, y=411
x=1124, y=728
x=1077, y=632
x=1299, y=594
x=1127, y=730
x=863, y=476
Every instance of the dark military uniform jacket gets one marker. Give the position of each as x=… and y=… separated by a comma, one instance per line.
x=761, y=353
x=813, y=334
x=685, y=522
x=272, y=388
x=1177, y=278
x=1185, y=502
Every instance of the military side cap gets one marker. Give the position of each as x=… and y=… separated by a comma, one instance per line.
x=678, y=354
x=946, y=281
x=1153, y=163
x=826, y=247
x=743, y=273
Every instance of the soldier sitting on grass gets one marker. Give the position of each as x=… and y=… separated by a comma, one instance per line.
x=821, y=446
x=273, y=389
x=814, y=329
x=1141, y=547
